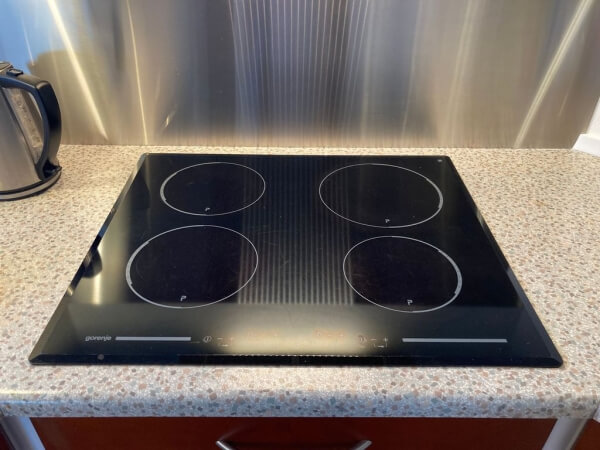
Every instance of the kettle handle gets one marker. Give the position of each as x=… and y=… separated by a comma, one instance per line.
x=47, y=103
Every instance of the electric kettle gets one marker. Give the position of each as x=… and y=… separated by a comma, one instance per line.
x=30, y=131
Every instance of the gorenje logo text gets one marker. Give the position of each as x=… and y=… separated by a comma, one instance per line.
x=97, y=338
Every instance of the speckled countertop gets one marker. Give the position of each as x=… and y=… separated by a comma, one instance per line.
x=543, y=207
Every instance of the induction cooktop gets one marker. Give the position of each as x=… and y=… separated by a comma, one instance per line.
x=215, y=259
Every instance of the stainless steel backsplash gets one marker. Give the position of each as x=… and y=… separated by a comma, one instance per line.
x=441, y=73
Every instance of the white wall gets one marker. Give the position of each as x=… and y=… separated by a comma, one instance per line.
x=590, y=141
x=594, y=128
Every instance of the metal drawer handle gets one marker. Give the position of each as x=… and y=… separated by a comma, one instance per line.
x=362, y=445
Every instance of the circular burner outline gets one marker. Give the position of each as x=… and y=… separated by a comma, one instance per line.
x=440, y=204
x=134, y=254
x=457, y=270
x=164, y=183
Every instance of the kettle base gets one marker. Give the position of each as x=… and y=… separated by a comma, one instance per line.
x=33, y=189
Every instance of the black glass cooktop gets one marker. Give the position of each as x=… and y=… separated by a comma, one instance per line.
x=295, y=260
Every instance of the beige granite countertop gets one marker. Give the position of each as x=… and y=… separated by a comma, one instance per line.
x=543, y=207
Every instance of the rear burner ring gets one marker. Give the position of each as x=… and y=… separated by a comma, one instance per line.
x=212, y=189
x=380, y=195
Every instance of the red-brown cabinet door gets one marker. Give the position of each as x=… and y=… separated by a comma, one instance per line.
x=590, y=437
x=291, y=433
x=3, y=441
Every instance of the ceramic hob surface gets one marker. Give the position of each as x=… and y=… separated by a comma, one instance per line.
x=295, y=260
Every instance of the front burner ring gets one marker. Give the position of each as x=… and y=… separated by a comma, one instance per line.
x=411, y=276
x=191, y=266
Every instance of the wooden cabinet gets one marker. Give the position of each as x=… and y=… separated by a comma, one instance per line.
x=291, y=433
x=3, y=441
x=590, y=437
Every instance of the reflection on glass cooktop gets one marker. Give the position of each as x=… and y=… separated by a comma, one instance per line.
x=214, y=259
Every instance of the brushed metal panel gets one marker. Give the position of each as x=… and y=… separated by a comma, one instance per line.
x=441, y=73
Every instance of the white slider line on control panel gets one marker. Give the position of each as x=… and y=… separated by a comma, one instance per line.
x=457, y=340
x=154, y=338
